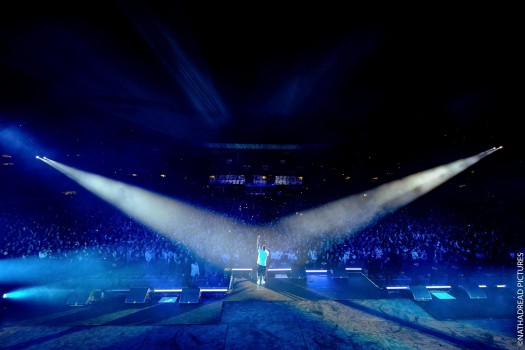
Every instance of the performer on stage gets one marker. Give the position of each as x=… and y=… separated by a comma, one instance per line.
x=262, y=258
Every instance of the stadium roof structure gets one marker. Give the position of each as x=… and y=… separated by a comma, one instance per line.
x=138, y=85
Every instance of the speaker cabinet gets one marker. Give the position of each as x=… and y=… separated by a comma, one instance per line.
x=474, y=291
x=420, y=293
x=137, y=296
x=190, y=295
x=298, y=272
x=80, y=298
x=339, y=272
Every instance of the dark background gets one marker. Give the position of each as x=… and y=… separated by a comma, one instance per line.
x=347, y=97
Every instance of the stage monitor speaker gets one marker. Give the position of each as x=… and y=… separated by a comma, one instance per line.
x=166, y=300
x=80, y=298
x=137, y=295
x=474, y=291
x=339, y=272
x=190, y=295
x=420, y=293
x=298, y=272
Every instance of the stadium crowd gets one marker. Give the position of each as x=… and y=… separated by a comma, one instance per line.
x=401, y=244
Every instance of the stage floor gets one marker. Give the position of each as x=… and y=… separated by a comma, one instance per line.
x=316, y=312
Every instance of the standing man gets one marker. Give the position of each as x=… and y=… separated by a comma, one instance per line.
x=262, y=257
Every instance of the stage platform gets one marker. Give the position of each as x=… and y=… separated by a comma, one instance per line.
x=315, y=312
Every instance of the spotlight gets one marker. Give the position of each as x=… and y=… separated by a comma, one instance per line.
x=4, y=296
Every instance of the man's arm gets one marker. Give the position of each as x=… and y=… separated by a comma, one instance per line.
x=258, y=238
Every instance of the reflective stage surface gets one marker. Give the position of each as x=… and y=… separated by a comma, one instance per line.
x=313, y=312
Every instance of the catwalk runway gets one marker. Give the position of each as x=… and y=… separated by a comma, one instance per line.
x=315, y=312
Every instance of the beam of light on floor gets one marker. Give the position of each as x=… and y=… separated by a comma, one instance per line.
x=23, y=270
x=353, y=213
x=195, y=228
x=38, y=294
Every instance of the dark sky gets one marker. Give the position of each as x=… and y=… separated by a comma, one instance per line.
x=121, y=84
